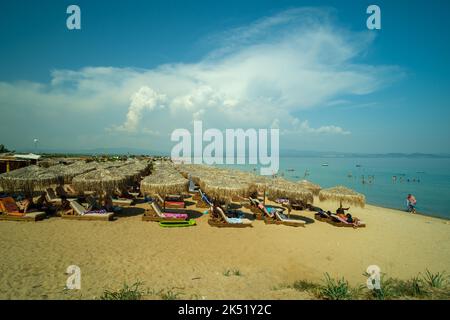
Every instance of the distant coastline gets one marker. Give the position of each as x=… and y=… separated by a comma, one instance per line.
x=283, y=153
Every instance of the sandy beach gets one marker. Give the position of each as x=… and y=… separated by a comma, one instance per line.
x=193, y=261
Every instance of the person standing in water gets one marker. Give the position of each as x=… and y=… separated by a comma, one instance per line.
x=411, y=203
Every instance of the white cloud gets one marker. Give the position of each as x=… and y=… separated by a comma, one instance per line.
x=303, y=127
x=280, y=65
x=144, y=99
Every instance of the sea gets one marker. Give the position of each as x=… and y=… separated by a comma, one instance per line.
x=385, y=182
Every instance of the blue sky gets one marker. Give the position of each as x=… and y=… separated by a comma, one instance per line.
x=139, y=69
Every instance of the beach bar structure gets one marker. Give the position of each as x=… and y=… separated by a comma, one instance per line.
x=10, y=162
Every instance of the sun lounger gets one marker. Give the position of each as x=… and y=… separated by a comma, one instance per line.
x=51, y=196
x=170, y=204
x=254, y=208
x=30, y=216
x=266, y=213
x=10, y=211
x=70, y=191
x=337, y=221
x=223, y=221
x=8, y=206
x=156, y=214
x=203, y=201
x=81, y=213
x=192, y=187
x=274, y=215
x=322, y=216
x=281, y=219
x=174, y=201
x=340, y=222
x=122, y=202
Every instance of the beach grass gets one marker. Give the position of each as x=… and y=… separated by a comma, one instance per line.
x=334, y=289
x=435, y=280
x=427, y=286
x=170, y=295
x=232, y=272
x=127, y=292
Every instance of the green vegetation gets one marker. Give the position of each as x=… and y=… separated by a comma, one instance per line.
x=232, y=272
x=169, y=295
x=427, y=286
x=304, y=285
x=3, y=149
x=133, y=292
x=334, y=289
x=136, y=291
x=435, y=280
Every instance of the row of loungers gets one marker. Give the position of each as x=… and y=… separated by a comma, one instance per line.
x=53, y=198
x=270, y=215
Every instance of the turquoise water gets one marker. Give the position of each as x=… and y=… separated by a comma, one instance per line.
x=432, y=192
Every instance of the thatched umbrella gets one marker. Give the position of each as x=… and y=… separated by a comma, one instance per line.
x=100, y=180
x=72, y=170
x=164, y=183
x=314, y=188
x=343, y=194
x=281, y=188
x=225, y=188
x=29, y=179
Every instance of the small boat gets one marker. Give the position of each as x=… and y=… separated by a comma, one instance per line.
x=324, y=164
x=358, y=166
x=290, y=169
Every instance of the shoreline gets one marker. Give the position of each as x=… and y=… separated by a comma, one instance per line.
x=404, y=211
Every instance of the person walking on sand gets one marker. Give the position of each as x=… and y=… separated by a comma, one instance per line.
x=411, y=203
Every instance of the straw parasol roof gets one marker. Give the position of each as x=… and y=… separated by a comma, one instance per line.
x=72, y=170
x=100, y=180
x=343, y=194
x=225, y=188
x=164, y=180
x=281, y=188
x=29, y=179
x=314, y=188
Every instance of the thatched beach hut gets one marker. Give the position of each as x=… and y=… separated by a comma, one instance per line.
x=343, y=194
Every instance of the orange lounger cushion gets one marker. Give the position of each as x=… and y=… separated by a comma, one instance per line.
x=175, y=203
x=9, y=206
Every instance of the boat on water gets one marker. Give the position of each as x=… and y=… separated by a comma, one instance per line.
x=324, y=164
x=358, y=166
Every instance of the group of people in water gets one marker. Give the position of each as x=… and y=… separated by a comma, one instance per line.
x=402, y=179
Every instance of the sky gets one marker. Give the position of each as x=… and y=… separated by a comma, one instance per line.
x=137, y=70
